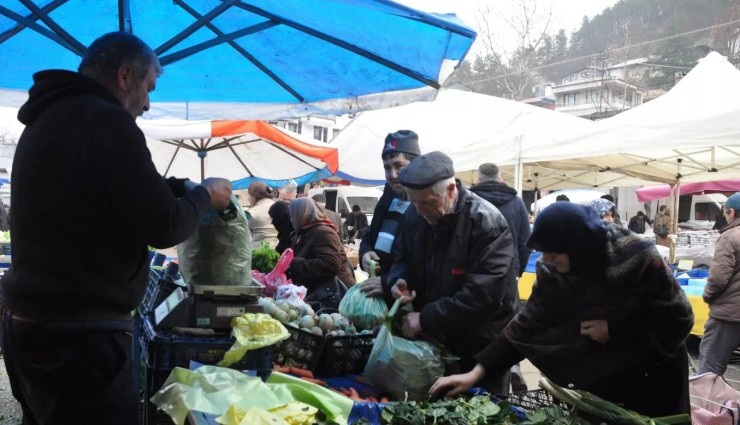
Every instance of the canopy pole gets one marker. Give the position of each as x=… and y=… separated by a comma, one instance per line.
x=519, y=170
x=124, y=16
x=675, y=203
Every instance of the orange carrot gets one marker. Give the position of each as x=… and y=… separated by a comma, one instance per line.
x=372, y=399
x=302, y=373
x=385, y=399
x=281, y=369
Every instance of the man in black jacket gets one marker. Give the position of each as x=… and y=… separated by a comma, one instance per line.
x=492, y=188
x=79, y=271
x=399, y=149
x=454, y=261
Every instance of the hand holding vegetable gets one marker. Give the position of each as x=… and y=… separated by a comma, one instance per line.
x=411, y=325
x=598, y=330
x=372, y=287
x=452, y=385
x=367, y=258
x=401, y=289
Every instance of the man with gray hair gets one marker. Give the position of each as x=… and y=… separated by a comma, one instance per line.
x=288, y=192
x=78, y=273
x=454, y=262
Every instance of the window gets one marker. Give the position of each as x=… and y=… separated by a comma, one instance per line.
x=319, y=133
x=570, y=99
x=293, y=127
x=335, y=133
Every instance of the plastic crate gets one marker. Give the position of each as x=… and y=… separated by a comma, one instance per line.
x=152, y=289
x=303, y=349
x=165, y=351
x=529, y=401
x=344, y=355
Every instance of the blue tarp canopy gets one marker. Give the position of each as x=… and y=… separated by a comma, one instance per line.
x=272, y=58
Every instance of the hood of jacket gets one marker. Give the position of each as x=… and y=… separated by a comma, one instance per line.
x=495, y=192
x=54, y=85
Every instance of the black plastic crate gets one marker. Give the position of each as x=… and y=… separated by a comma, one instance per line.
x=529, y=401
x=165, y=351
x=345, y=355
x=159, y=287
x=303, y=349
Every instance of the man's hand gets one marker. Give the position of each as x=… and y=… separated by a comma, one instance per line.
x=370, y=256
x=598, y=330
x=220, y=191
x=401, y=289
x=411, y=325
x=372, y=287
x=448, y=386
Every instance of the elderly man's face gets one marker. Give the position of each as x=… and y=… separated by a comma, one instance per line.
x=431, y=205
x=393, y=167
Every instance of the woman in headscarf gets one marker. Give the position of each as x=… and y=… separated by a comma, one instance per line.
x=319, y=254
x=260, y=200
x=280, y=217
x=605, y=315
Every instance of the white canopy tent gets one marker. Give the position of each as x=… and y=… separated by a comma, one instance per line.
x=472, y=128
x=690, y=134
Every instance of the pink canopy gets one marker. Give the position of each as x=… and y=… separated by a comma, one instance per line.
x=649, y=193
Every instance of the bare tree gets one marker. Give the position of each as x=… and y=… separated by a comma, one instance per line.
x=7, y=139
x=529, y=22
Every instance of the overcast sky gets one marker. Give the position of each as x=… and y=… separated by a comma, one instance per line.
x=566, y=14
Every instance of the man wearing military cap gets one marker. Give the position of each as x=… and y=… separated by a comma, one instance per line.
x=399, y=149
x=455, y=262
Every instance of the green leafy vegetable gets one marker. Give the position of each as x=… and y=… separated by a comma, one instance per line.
x=476, y=410
x=264, y=258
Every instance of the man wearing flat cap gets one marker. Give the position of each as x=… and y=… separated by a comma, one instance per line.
x=455, y=262
x=399, y=149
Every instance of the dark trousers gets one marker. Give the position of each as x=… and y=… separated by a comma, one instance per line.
x=66, y=375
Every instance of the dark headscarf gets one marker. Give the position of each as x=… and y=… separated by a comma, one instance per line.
x=576, y=230
x=281, y=221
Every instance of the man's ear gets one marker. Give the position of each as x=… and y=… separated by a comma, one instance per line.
x=124, y=77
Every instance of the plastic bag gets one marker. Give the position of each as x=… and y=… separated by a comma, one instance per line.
x=293, y=294
x=277, y=276
x=401, y=367
x=365, y=312
x=220, y=251
x=252, y=331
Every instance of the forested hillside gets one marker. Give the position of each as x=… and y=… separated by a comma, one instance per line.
x=673, y=34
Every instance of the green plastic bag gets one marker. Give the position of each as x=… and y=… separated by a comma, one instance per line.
x=220, y=251
x=364, y=312
x=400, y=367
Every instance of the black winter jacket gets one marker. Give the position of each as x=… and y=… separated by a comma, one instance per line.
x=462, y=272
x=87, y=200
x=512, y=207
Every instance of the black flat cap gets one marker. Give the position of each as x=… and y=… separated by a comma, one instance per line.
x=401, y=141
x=425, y=170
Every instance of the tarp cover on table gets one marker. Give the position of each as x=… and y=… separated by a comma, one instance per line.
x=258, y=59
x=241, y=151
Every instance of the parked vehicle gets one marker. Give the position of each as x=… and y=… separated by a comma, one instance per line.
x=340, y=199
